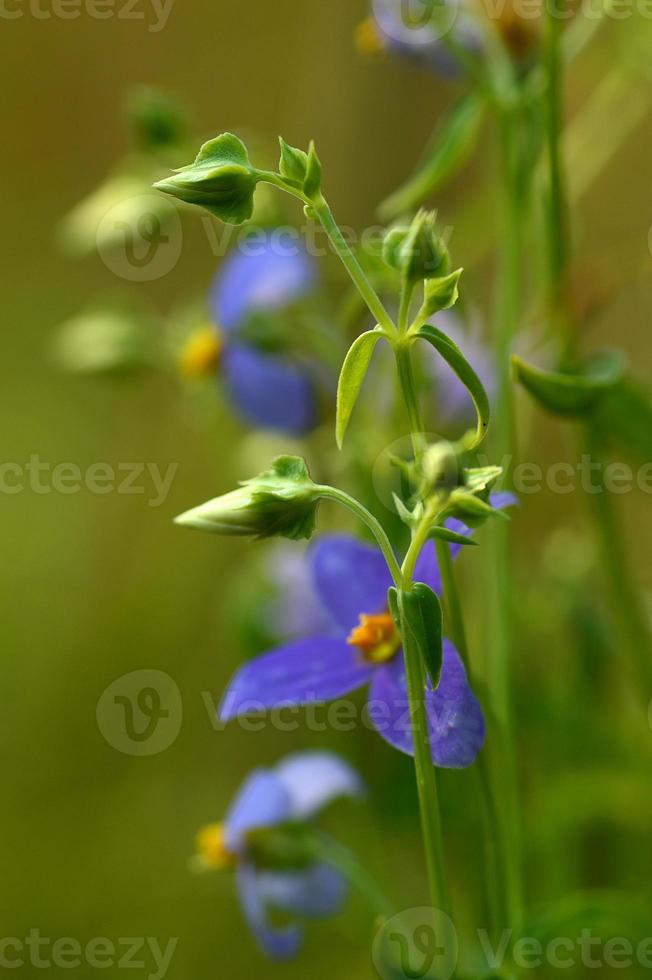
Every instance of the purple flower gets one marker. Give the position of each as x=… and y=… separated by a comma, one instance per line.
x=268, y=388
x=410, y=29
x=363, y=647
x=286, y=796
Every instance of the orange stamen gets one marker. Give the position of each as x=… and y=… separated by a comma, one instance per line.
x=376, y=637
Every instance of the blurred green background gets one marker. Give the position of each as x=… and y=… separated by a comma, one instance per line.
x=95, y=842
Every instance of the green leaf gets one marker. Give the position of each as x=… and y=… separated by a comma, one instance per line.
x=445, y=534
x=293, y=164
x=221, y=180
x=352, y=375
x=441, y=294
x=451, y=146
x=571, y=394
x=456, y=360
x=624, y=418
x=420, y=613
x=312, y=182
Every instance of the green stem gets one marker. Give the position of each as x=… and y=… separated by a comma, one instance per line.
x=424, y=768
x=339, y=857
x=558, y=213
x=497, y=844
x=353, y=267
x=627, y=607
x=408, y=388
x=631, y=617
x=503, y=772
x=379, y=533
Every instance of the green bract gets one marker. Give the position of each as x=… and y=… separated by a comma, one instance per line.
x=221, y=180
x=281, y=502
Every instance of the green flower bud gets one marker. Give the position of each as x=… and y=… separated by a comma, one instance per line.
x=221, y=180
x=281, y=502
x=417, y=251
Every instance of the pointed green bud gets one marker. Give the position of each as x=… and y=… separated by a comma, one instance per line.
x=417, y=251
x=441, y=293
x=221, y=180
x=281, y=502
x=293, y=165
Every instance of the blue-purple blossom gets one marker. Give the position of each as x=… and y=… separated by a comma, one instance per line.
x=362, y=647
x=415, y=31
x=268, y=388
x=288, y=795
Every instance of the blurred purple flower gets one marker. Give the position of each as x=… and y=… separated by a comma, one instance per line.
x=416, y=30
x=289, y=794
x=363, y=647
x=268, y=389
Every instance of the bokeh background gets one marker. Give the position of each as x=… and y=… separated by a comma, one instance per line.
x=95, y=842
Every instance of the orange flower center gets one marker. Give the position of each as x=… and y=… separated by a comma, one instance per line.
x=376, y=637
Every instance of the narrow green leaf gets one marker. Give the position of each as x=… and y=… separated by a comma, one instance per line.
x=450, y=147
x=445, y=534
x=420, y=613
x=571, y=394
x=352, y=375
x=456, y=360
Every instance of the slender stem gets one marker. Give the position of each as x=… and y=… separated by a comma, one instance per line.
x=408, y=388
x=558, y=214
x=379, y=533
x=503, y=772
x=353, y=267
x=496, y=845
x=631, y=617
x=424, y=768
x=339, y=857
x=627, y=607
